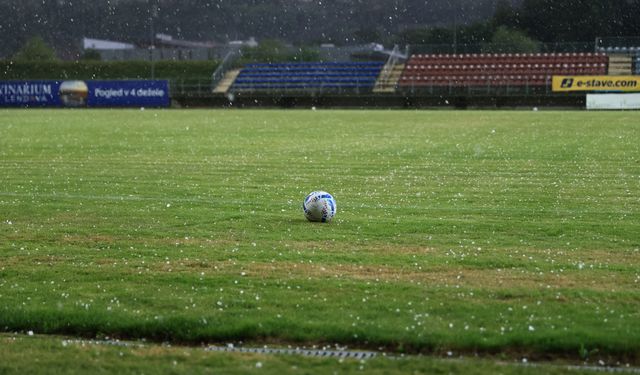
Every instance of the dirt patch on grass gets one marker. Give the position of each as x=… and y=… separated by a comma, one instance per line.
x=450, y=276
x=598, y=270
x=597, y=257
x=440, y=276
x=92, y=240
x=372, y=248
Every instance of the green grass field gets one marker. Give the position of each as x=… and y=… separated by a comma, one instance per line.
x=506, y=233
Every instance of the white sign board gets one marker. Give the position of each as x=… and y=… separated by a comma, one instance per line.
x=613, y=101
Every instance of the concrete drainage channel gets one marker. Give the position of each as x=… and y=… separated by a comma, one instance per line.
x=348, y=354
x=303, y=352
x=230, y=348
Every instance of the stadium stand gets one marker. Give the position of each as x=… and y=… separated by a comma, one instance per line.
x=308, y=76
x=468, y=70
x=620, y=50
x=226, y=81
x=388, y=80
x=620, y=65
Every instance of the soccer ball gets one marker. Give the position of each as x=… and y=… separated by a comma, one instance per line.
x=319, y=206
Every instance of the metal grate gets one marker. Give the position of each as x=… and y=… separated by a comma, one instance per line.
x=303, y=352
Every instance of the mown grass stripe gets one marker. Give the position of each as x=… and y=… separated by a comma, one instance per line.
x=150, y=223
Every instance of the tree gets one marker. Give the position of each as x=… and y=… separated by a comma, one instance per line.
x=367, y=35
x=426, y=35
x=505, y=15
x=269, y=50
x=35, y=49
x=274, y=51
x=91, y=55
x=579, y=20
x=475, y=34
x=511, y=41
x=306, y=54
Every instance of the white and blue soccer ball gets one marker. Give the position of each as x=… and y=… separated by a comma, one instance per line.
x=319, y=206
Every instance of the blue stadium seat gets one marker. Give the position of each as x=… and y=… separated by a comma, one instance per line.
x=308, y=76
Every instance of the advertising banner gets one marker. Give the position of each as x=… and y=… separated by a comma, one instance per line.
x=128, y=94
x=596, y=83
x=613, y=101
x=29, y=94
x=125, y=93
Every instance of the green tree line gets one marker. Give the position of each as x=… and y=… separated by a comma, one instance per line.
x=525, y=27
x=62, y=70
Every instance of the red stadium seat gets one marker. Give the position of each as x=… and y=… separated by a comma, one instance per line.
x=519, y=69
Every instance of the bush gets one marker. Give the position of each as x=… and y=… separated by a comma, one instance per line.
x=35, y=49
x=506, y=40
x=92, y=55
x=274, y=51
x=171, y=70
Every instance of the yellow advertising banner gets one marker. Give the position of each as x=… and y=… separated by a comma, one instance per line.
x=596, y=83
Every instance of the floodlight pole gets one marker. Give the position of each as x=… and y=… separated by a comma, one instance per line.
x=455, y=33
x=152, y=13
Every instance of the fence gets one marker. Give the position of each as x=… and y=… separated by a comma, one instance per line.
x=499, y=48
x=202, y=89
x=164, y=54
x=616, y=44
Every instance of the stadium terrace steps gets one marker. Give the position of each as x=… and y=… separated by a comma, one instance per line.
x=308, y=76
x=468, y=70
x=226, y=82
x=620, y=65
x=389, y=82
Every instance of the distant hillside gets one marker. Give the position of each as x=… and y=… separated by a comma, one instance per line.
x=64, y=22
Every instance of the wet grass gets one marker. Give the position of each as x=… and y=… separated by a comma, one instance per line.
x=54, y=355
x=490, y=232
x=57, y=354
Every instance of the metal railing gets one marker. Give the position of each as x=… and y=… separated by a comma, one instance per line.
x=387, y=69
x=225, y=65
x=623, y=45
x=453, y=89
x=202, y=89
x=190, y=88
x=500, y=48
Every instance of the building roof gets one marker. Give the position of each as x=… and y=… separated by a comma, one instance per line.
x=100, y=44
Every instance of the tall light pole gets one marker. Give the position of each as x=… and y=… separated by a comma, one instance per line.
x=455, y=33
x=153, y=12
